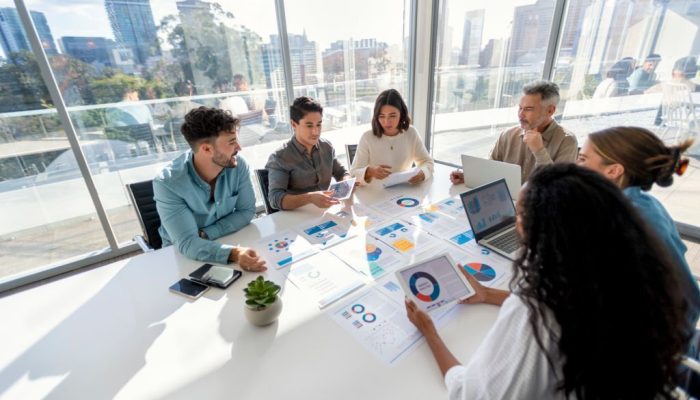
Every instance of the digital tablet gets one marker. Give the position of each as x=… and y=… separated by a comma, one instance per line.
x=434, y=283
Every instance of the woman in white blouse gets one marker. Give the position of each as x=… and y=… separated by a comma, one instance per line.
x=393, y=145
x=594, y=313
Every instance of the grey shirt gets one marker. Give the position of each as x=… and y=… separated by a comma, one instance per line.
x=292, y=170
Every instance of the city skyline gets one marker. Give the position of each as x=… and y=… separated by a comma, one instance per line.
x=62, y=16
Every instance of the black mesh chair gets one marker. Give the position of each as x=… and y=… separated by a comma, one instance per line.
x=350, y=150
x=263, y=182
x=141, y=194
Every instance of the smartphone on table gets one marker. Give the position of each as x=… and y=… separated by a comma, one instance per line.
x=190, y=289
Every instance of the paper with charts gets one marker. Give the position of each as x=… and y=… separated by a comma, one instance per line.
x=284, y=248
x=437, y=223
x=397, y=205
x=366, y=217
x=369, y=256
x=327, y=231
x=377, y=319
x=489, y=268
x=324, y=278
x=343, y=189
x=406, y=239
x=451, y=206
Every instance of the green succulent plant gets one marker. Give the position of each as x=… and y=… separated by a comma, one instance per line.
x=261, y=293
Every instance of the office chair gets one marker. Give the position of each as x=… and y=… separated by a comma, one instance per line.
x=263, y=183
x=677, y=111
x=141, y=195
x=350, y=150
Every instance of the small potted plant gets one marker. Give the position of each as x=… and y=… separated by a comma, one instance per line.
x=263, y=305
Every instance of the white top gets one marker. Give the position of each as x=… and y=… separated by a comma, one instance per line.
x=606, y=88
x=508, y=365
x=400, y=152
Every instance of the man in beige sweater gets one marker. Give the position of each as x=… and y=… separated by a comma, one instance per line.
x=538, y=140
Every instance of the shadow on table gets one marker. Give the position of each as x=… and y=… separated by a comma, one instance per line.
x=102, y=344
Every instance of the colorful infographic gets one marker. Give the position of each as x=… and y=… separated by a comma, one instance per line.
x=284, y=248
x=406, y=239
x=437, y=223
x=379, y=324
x=369, y=256
x=397, y=205
x=424, y=286
x=482, y=272
x=326, y=231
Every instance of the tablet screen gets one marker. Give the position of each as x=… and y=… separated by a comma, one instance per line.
x=434, y=283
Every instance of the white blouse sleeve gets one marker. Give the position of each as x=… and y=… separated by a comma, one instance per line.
x=420, y=154
x=361, y=161
x=509, y=363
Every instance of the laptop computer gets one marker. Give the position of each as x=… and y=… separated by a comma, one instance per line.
x=491, y=213
x=480, y=171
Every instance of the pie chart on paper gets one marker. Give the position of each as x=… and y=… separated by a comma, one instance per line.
x=482, y=272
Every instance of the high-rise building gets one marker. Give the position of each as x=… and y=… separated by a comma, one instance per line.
x=13, y=38
x=303, y=57
x=530, y=36
x=89, y=50
x=471, y=40
x=134, y=27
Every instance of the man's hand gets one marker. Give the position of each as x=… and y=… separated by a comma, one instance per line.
x=378, y=171
x=533, y=140
x=456, y=177
x=419, y=318
x=417, y=178
x=248, y=259
x=322, y=199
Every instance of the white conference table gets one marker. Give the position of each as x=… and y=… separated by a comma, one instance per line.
x=117, y=332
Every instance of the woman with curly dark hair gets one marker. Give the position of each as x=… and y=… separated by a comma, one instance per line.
x=593, y=313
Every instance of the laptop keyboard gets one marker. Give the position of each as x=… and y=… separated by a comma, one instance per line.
x=508, y=242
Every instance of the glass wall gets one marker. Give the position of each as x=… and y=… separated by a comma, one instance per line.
x=346, y=65
x=486, y=51
x=129, y=70
x=44, y=219
x=634, y=63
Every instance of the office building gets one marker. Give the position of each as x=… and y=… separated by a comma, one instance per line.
x=133, y=27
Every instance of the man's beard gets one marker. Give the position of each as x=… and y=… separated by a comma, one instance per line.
x=225, y=162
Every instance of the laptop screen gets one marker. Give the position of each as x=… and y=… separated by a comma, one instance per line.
x=489, y=208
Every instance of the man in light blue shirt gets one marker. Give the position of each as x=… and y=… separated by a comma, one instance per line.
x=206, y=192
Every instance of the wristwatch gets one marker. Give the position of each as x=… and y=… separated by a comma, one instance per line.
x=203, y=234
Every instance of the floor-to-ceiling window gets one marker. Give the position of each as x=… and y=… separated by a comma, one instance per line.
x=624, y=62
x=344, y=53
x=486, y=52
x=129, y=70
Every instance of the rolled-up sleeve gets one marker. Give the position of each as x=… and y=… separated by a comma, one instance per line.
x=179, y=222
x=278, y=181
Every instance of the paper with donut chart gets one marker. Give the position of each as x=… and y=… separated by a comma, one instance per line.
x=324, y=278
x=397, y=178
x=284, y=248
x=397, y=205
x=377, y=319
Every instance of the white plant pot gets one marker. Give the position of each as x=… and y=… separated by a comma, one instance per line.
x=264, y=316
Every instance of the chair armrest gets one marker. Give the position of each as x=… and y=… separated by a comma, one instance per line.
x=141, y=241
